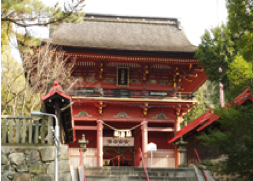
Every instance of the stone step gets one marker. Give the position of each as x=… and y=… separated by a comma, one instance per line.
x=138, y=174
x=142, y=173
x=101, y=178
x=151, y=178
x=137, y=178
x=137, y=168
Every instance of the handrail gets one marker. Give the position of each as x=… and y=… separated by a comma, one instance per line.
x=144, y=165
x=196, y=154
x=130, y=93
x=81, y=163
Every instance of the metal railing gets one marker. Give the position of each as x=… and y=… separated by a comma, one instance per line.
x=82, y=165
x=25, y=130
x=130, y=93
x=196, y=155
x=144, y=165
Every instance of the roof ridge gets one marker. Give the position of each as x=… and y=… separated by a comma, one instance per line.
x=129, y=20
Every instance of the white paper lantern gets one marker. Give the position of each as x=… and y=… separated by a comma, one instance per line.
x=116, y=133
x=129, y=134
x=122, y=134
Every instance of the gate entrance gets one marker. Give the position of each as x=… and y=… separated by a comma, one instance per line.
x=118, y=156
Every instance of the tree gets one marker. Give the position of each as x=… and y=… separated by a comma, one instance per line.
x=46, y=64
x=233, y=139
x=217, y=50
x=5, y=44
x=207, y=97
x=30, y=13
x=24, y=83
x=240, y=18
x=219, y=55
x=240, y=76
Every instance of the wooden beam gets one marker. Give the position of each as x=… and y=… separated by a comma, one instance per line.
x=86, y=154
x=85, y=118
x=85, y=128
x=173, y=100
x=162, y=129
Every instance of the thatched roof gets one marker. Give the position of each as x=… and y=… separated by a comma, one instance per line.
x=124, y=33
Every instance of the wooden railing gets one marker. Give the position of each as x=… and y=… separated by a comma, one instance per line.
x=82, y=165
x=144, y=165
x=130, y=93
x=196, y=155
x=24, y=130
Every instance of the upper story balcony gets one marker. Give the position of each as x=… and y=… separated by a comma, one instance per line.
x=116, y=93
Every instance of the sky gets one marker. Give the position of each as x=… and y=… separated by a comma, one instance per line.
x=195, y=15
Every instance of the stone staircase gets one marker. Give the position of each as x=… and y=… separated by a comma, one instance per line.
x=138, y=174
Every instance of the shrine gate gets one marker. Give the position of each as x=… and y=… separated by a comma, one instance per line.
x=137, y=78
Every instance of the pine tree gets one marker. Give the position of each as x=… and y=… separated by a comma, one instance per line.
x=217, y=50
x=234, y=140
x=240, y=76
x=31, y=13
x=240, y=18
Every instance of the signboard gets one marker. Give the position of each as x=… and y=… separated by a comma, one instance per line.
x=123, y=76
x=121, y=142
x=152, y=147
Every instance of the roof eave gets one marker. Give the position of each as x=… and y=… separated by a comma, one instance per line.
x=181, y=54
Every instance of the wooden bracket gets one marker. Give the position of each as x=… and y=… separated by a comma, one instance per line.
x=193, y=75
x=100, y=105
x=145, y=108
x=199, y=70
x=176, y=79
x=187, y=79
x=145, y=72
x=100, y=69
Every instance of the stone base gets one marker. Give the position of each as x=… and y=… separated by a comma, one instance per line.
x=28, y=162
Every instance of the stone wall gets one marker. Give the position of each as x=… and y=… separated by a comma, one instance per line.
x=33, y=163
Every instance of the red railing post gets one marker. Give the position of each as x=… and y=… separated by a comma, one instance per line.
x=144, y=165
x=194, y=158
x=196, y=154
x=81, y=163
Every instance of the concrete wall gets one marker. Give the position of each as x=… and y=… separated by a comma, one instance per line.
x=33, y=163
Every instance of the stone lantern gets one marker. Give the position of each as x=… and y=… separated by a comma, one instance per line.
x=83, y=143
x=182, y=150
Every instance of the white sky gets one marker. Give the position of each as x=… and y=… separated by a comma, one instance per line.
x=195, y=15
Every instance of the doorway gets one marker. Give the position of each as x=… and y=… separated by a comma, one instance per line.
x=118, y=156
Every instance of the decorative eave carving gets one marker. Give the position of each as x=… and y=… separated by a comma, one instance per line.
x=83, y=113
x=160, y=116
x=122, y=115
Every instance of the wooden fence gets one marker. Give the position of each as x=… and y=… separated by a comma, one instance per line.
x=162, y=158
x=24, y=130
x=91, y=157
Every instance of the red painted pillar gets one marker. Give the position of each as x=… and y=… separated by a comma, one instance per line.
x=137, y=146
x=99, y=143
x=175, y=147
x=144, y=131
x=177, y=128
